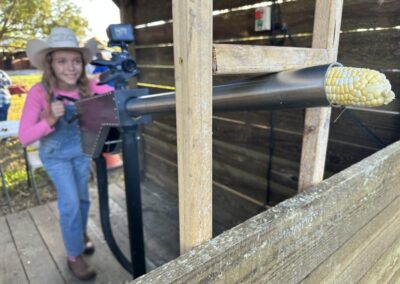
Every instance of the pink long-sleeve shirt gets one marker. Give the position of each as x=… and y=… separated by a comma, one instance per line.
x=33, y=124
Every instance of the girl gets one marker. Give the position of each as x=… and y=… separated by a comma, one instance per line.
x=48, y=116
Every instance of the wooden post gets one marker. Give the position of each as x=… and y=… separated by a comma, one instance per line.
x=192, y=29
x=328, y=16
x=246, y=59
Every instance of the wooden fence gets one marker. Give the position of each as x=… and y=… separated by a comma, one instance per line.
x=344, y=230
x=257, y=153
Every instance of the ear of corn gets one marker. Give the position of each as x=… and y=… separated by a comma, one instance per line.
x=348, y=86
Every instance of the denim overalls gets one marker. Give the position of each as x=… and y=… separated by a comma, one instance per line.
x=68, y=168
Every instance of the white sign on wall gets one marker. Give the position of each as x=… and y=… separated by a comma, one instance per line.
x=263, y=19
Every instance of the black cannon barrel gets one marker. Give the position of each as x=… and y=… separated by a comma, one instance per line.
x=289, y=89
x=100, y=115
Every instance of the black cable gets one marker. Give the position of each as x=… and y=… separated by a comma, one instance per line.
x=277, y=25
x=373, y=137
x=270, y=156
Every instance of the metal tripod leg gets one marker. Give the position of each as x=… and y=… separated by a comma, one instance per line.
x=133, y=199
x=6, y=193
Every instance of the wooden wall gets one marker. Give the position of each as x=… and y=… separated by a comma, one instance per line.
x=344, y=230
x=244, y=140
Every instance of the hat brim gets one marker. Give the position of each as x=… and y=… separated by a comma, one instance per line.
x=36, y=50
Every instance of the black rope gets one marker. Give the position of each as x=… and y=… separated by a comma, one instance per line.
x=373, y=137
x=270, y=157
x=277, y=25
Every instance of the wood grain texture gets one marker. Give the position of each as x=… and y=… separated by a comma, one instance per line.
x=148, y=11
x=157, y=76
x=48, y=226
x=244, y=59
x=237, y=167
x=193, y=81
x=360, y=253
x=387, y=268
x=348, y=142
x=286, y=243
x=230, y=207
x=30, y=245
x=11, y=269
x=328, y=15
x=241, y=145
x=160, y=222
x=358, y=14
x=298, y=17
x=375, y=49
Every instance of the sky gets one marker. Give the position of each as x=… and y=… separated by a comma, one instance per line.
x=100, y=14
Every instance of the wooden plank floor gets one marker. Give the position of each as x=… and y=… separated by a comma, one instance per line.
x=32, y=250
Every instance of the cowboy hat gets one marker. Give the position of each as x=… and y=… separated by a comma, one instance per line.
x=59, y=38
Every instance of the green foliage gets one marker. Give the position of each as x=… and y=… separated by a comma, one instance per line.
x=15, y=176
x=21, y=20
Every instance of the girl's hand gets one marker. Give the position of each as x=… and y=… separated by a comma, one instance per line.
x=56, y=111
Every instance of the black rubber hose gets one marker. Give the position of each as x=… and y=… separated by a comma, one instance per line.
x=102, y=186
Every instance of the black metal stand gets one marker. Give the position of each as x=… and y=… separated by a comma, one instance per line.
x=102, y=186
x=113, y=128
x=133, y=199
x=137, y=266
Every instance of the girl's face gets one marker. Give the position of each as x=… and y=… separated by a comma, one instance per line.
x=68, y=67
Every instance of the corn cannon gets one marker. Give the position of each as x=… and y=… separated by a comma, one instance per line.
x=326, y=85
x=109, y=122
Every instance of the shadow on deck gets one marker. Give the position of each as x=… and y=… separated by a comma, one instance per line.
x=33, y=251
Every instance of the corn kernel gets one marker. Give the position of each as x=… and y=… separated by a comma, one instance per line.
x=357, y=87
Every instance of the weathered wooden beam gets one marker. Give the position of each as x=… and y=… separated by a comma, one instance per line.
x=289, y=241
x=192, y=31
x=387, y=268
x=366, y=247
x=328, y=15
x=11, y=267
x=245, y=59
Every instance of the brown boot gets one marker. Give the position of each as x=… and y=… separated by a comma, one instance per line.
x=89, y=246
x=81, y=269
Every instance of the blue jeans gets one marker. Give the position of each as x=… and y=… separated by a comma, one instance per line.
x=4, y=111
x=68, y=168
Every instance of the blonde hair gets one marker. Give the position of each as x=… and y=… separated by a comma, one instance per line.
x=49, y=79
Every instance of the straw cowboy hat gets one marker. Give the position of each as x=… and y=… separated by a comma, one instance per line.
x=59, y=38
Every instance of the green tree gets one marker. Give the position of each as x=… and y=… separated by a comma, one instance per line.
x=21, y=20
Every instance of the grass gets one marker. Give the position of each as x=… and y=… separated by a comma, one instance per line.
x=12, y=155
x=26, y=80
x=12, y=159
x=15, y=175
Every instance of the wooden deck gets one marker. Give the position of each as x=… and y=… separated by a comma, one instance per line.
x=33, y=251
